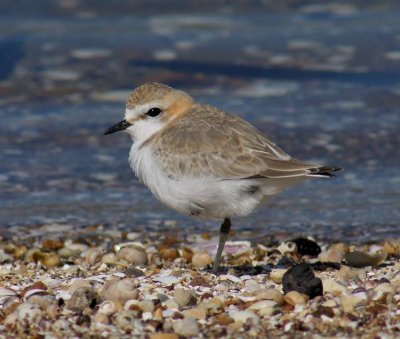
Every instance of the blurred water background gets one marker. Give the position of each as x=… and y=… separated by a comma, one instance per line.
x=321, y=78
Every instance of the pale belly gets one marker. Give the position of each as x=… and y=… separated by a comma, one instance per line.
x=202, y=197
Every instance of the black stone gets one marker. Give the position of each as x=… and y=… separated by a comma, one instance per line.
x=301, y=278
x=307, y=246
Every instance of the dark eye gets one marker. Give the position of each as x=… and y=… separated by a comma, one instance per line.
x=153, y=112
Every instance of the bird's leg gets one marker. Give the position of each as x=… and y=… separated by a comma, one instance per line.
x=223, y=235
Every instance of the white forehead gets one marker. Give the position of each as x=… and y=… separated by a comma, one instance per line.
x=131, y=113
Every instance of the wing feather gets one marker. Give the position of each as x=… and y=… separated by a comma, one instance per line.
x=210, y=142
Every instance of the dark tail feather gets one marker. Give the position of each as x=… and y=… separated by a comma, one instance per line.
x=324, y=171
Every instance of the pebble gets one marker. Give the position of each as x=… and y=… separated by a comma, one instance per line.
x=77, y=283
x=276, y=275
x=301, y=278
x=109, y=258
x=201, y=259
x=187, y=327
x=143, y=302
x=47, y=259
x=93, y=255
x=197, y=313
x=270, y=294
x=263, y=307
x=384, y=292
x=348, y=302
x=347, y=273
x=333, y=287
x=296, y=298
x=361, y=259
x=245, y=317
x=332, y=255
x=184, y=297
x=169, y=254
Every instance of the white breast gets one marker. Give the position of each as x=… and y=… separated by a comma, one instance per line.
x=199, y=197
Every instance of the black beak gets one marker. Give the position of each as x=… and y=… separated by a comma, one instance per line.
x=118, y=127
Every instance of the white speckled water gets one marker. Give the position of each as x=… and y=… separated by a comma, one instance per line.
x=324, y=83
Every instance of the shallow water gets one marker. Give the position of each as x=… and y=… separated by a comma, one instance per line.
x=323, y=81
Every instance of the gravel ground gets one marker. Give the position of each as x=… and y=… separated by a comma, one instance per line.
x=97, y=282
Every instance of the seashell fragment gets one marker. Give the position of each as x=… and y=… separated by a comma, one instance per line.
x=93, y=255
x=201, y=259
x=29, y=313
x=245, y=317
x=119, y=291
x=184, y=297
x=107, y=307
x=126, y=321
x=133, y=255
x=187, y=327
x=83, y=297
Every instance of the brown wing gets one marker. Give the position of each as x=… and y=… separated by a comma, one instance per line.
x=210, y=142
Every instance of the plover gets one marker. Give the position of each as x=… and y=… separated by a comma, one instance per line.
x=202, y=161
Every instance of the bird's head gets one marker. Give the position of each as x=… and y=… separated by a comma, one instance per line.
x=151, y=107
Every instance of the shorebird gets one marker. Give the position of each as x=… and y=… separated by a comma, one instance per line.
x=202, y=161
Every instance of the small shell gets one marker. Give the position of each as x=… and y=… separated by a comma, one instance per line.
x=11, y=320
x=187, y=254
x=169, y=254
x=107, y=307
x=109, y=258
x=102, y=318
x=29, y=313
x=119, y=247
x=132, y=305
x=77, y=283
x=93, y=255
x=8, y=297
x=146, y=305
x=35, y=286
x=120, y=290
x=20, y=251
x=83, y=297
x=61, y=326
x=184, y=297
x=201, y=259
x=30, y=253
x=7, y=292
x=125, y=320
x=133, y=255
x=47, y=259
x=76, y=247
x=34, y=292
x=52, y=311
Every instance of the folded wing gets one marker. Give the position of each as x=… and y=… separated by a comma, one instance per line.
x=210, y=142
